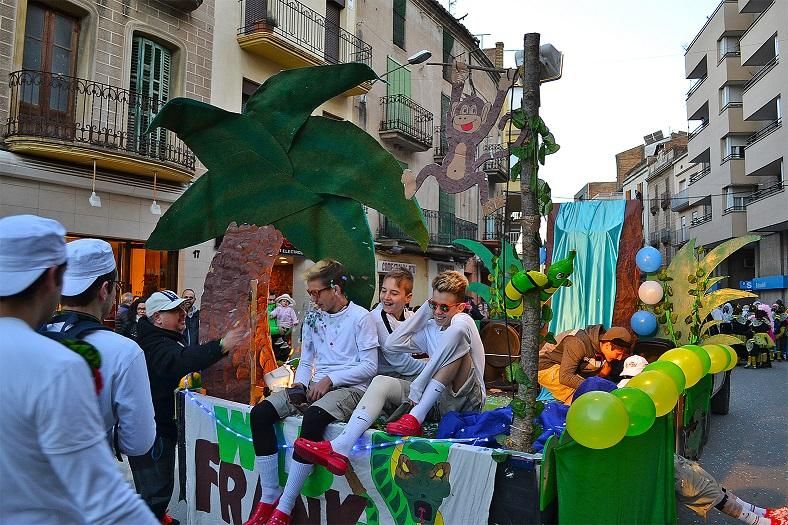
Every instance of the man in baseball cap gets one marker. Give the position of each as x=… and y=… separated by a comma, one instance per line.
x=89, y=293
x=49, y=411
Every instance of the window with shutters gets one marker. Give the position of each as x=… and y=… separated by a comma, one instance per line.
x=399, y=23
x=150, y=90
x=50, y=57
x=448, y=57
x=446, y=216
x=331, y=51
x=247, y=90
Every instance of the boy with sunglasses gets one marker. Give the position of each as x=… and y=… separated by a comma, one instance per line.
x=339, y=357
x=451, y=380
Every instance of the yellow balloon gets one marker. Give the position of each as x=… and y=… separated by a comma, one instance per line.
x=734, y=357
x=597, y=420
x=719, y=357
x=659, y=387
x=689, y=363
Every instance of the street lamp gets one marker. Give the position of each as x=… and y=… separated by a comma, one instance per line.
x=551, y=60
x=418, y=58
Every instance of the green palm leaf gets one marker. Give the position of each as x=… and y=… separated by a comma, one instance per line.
x=338, y=158
x=337, y=229
x=285, y=101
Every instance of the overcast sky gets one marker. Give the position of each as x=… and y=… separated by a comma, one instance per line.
x=623, y=73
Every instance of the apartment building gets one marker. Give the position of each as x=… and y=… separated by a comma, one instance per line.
x=81, y=80
x=739, y=140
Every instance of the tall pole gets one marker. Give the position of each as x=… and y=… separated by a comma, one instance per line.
x=522, y=435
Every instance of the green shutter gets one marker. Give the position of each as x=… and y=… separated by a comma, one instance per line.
x=397, y=112
x=399, y=23
x=446, y=217
x=150, y=88
x=448, y=46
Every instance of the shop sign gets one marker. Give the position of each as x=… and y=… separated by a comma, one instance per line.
x=387, y=266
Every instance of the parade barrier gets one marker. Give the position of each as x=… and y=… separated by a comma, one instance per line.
x=391, y=480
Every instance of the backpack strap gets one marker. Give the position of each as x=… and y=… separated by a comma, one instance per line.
x=386, y=320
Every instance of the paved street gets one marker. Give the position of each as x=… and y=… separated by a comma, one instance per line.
x=748, y=448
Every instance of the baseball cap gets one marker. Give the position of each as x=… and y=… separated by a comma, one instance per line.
x=162, y=301
x=29, y=245
x=88, y=259
x=633, y=365
x=618, y=335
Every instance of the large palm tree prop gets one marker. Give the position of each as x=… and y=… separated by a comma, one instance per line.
x=276, y=164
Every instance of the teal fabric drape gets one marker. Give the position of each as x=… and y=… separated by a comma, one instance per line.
x=592, y=229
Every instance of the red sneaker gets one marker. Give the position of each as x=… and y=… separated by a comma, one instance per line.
x=169, y=520
x=278, y=518
x=407, y=425
x=779, y=516
x=261, y=512
x=321, y=453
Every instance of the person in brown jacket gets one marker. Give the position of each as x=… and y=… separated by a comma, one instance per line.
x=588, y=352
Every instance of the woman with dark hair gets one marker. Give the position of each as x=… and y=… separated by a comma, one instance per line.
x=135, y=313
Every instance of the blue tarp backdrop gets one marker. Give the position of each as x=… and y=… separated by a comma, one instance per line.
x=593, y=230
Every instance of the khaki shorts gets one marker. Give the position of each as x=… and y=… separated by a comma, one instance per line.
x=548, y=378
x=339, y=402
x=695, y=488
x=467, y=399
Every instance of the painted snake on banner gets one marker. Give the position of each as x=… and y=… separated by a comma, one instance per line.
x=413, y=479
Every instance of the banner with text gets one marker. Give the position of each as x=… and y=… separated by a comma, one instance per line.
x=418, y=481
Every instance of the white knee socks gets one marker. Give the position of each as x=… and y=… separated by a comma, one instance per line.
x=295, y=481
x=358, y=423
x=428, y=399
x=268, y=468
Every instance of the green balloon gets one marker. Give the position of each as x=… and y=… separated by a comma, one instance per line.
x=597, y=420
x=688, y=361
x=640, y=407
x=702, y=355
x=659, y=387
x=318, y=482
x=734, y=357
x=673, y=370
x=719, y=356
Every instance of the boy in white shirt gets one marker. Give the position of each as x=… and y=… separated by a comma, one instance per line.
x=451, y=380
x=395, y=294
x=339, y=357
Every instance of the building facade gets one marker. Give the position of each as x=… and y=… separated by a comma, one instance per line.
x=739, y=141
x=81, y=80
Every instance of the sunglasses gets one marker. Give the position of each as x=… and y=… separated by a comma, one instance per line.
x=443, y=307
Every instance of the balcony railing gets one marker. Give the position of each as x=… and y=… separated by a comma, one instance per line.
x=736, y=153
x=695, y=86
x=665, y=200
x=768, y=66
x=731, y=104
x=304, y=27
x=653, y=239
x=401, y=114
x=695, y=177
x=654, y=205
x=680, y=200
x=758, y=135
x=765, y=192
x=90, y=114
x=664, y=236
x=728, y=54
x=734, y=208
x=497, y=164
x=680, y=236
x=443, y=228
x=441, y=143
x=662, y=163
x=701, y=220
x=695, y=132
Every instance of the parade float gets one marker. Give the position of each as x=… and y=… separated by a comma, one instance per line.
x=276, y=172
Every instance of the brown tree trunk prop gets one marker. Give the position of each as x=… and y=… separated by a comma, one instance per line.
x=246, y=254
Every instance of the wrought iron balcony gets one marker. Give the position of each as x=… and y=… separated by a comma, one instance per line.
x=765, y=192
x=653, y=239
x=293, y=35
x=662, y=163
x=680, y=236
x=494, y=225
x=443, y=228
x=496, y=167
x=701, y=220
x=680, y=200
x=736, y=153
x=80, y=120
x=405, y=123
x=664, y=236
x=664, y=202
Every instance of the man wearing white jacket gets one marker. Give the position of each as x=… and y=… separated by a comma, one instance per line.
x=452, y=379
x=339, y=357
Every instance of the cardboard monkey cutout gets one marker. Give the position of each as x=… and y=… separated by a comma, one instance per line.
x=469, y=121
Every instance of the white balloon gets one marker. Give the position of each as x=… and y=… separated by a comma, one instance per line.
x=650, y=292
